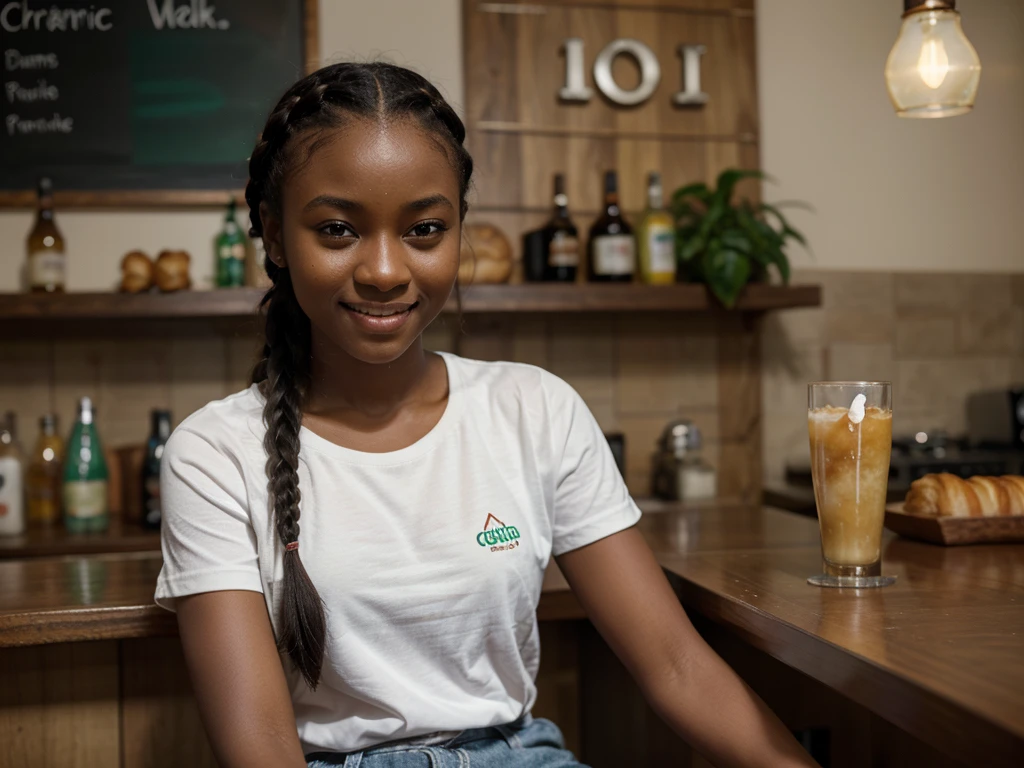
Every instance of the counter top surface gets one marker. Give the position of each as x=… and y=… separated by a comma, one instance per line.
x=940, y=653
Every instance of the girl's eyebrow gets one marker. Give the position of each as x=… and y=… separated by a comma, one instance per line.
x=334, y=202
x=350, y=205
x=429, y=202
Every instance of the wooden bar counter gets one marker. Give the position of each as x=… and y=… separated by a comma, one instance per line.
x=932, y=667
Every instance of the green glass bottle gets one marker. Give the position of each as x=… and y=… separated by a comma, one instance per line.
x=85, y=475
x=230, y=252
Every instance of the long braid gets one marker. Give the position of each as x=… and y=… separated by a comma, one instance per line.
x=318, y=102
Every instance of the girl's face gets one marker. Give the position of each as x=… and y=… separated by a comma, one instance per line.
x=370, y=233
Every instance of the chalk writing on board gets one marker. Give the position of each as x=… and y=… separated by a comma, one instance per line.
x=41, y=91
x=15, y=59
x=18, y=17
x=56, y=124
x=194, y=15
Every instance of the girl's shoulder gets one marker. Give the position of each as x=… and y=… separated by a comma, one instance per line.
x=227, y=424
x=490, y=379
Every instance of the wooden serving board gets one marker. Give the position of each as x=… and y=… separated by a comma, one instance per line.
x=954, y=530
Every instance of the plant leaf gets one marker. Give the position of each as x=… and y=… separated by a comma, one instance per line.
x=698, y=190
x=727, y=181
x=726, y=272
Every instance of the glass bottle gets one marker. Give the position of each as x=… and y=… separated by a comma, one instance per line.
x=47, y=262
x=12, y=497
x=563, y=245
x=656, y=238
x=230, y=252
x=612, y=247
x=159, y=432
x=43, y=478
x=85, y=475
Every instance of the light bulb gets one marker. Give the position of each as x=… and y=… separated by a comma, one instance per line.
x=934, y=63
x=932, y=70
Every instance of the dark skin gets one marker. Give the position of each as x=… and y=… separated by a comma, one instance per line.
x=375, y=218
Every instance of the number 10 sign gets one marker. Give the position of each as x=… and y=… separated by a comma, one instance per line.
x=576, y=89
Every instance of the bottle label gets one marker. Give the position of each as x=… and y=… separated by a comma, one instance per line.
x=564, y=251
x=12, y=513
x=614, y=255
x=85, y=498
x=46, y=268
x=661, y=243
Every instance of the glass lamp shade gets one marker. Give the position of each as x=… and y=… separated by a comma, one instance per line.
x=932, y=70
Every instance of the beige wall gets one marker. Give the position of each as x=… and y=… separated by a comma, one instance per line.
x=402, y=31
x=889, y=193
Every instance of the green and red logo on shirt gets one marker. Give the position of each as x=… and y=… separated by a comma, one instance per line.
x=497, y=535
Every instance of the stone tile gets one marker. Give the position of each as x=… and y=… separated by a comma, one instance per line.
x=581, y=351
x=859, y=326
x=1017, y=372
x=923, y=336
x=908, y=420
x=915, y=291
x=530, y=341
x=135, y=378
x=783, y=332
x=1017, y=289
x=784, y=409
x=25, y=385
x=241, y=355
x=665, y=368
x=859, y=362
x=987, y=331
x=198, y=375
x=943, y=386
x=857, y=291
x=486, y=338
x=76, y=373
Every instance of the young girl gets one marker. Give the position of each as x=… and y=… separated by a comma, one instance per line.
x=381, y=516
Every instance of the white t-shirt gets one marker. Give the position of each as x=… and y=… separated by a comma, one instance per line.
x=429, y=559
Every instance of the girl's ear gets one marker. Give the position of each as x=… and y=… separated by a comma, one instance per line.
x=272, y=236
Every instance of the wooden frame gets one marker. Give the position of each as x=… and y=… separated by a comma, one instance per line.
x=167, y=198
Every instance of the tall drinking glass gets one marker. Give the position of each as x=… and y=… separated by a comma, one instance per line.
x=850, y=426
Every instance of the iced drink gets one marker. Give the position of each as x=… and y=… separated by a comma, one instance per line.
x=850, y=447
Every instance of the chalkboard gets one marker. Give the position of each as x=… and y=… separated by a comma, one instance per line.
x=142, y=101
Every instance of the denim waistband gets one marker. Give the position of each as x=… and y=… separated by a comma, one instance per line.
x=445, y=739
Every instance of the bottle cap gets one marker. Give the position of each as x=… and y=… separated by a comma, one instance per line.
x=611, y=184
x=86, y=412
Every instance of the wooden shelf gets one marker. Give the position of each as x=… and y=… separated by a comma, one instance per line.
x=241, y=303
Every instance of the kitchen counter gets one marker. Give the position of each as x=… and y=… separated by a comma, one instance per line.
x=940, y=654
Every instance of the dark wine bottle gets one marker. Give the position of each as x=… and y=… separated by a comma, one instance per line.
x=160, y=431
x=561, y=235
x=612, y=249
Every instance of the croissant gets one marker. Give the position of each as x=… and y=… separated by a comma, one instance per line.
x=946, y=495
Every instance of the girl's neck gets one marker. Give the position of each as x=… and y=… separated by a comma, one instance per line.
x=340, y=382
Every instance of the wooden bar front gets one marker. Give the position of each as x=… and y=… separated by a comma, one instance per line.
x=927, y=670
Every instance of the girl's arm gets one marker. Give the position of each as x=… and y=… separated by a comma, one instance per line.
x=626, y=595
x=238, y=680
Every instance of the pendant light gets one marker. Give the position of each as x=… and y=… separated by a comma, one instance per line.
x=932, y=70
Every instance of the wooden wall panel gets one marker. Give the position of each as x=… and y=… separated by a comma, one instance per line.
x=58, y=706
x=161, y=726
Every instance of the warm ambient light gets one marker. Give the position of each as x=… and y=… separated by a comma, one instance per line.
x=932, y=70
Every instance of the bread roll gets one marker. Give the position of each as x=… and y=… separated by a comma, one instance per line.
x=172, y=270
x=136, y=272
x=946, y=495
x=485, y=255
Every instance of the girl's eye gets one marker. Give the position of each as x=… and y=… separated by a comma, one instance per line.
x=428, y=228
x=336, y=229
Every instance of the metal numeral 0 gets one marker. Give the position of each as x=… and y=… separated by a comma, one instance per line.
x=576, y=89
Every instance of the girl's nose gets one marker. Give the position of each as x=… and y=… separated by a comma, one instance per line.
x=382, y=265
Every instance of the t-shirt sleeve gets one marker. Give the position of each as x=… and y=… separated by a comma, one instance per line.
x=591, y=498
x=206, y=535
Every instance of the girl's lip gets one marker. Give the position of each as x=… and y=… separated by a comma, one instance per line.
x=372, y=324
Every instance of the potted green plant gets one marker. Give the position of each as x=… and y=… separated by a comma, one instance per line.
x=727, y=245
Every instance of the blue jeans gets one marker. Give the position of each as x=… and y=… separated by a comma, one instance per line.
x=526, y=743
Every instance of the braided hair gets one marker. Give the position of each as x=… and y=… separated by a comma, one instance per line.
x=319, y=102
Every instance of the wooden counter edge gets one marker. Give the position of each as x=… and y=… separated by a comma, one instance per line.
x=84, y=623
x=922, y=712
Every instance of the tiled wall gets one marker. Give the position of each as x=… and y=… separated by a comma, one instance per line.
x=937, y=337
x=636, y=374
